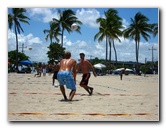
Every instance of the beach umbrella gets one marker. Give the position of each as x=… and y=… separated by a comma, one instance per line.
x=120, y=69
x=130, y=70
x=99, y=66
x=26, y=62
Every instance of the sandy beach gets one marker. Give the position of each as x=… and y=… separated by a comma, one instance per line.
x=135, y=98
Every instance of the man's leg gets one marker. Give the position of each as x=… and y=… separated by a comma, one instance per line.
x=91, y=91
x=63, y=92
x=88, y=89
x=53, y=80
x=72, y=93
x=85, y=87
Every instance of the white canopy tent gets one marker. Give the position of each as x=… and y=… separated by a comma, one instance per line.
x=127, y=69
x=99, y=66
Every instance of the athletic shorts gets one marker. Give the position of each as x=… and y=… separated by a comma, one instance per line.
x=44, y=70
x=66, y=78
x=85, y=79
x=55, y=75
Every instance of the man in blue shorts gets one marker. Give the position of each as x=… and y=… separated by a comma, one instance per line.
x=67, y=76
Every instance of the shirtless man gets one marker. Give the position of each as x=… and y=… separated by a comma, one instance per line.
x=50, y=68
x=38, y=69
x=44, y=69
x=84, y=66
x=67, y=76
x=55, y=69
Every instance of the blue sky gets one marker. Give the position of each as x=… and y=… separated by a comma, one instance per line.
x=34, y=37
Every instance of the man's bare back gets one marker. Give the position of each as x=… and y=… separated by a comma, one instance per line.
x=67, y=64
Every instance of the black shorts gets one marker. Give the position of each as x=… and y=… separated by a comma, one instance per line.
x=85, y=79
x=55, y=75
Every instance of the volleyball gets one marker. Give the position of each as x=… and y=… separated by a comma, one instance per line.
x=74, y=26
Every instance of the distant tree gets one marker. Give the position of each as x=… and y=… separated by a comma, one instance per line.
x=102, y=34
x=114, y=26
x=138, y=28
x=110, y=29
x=52, y=33
x=95, y=60
x=15, y=18
x=143, y=68
x=12, y=57
x=64, y=22
x=55, y=52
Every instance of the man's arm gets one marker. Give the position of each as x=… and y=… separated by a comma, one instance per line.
x=77, y=68
x=91, y=66
x=74, y=70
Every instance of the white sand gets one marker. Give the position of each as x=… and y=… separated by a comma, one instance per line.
x=135, y=98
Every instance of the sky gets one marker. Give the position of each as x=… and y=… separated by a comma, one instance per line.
x=34, y=37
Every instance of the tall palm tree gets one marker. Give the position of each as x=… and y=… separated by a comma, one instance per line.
x=64, y=22
x=102, y=34
x=138, y=28
x=110, y=28
x=52, y=33
x=114, y=26
x=15, y=18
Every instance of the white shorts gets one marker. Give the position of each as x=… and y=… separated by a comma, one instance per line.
x=44, y=70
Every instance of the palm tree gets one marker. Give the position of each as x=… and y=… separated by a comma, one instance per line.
x=155, y=29
x=110, y=28
x=137, y=29
x=102, y=34
x=114, y=26
x=15, y=18
x=52, y=33
x=66, y=19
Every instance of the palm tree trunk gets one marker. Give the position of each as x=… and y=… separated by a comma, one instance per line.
x=62, y=37
x=106, y=59
x=114, y=51
x=137, y=65
x=110, y=54
x=16, y=49
x=110, y=50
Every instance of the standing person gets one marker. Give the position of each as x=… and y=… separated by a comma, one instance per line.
x=38, y=70
x=122, y=71
x=44, y=69
x=84, y=66
x=67, y=76
x=28, y=69
x=50, y=69
x=55, y=69
x=121, y=74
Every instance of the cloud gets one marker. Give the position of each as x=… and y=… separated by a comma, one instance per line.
x=88, y=16
x=125, y=23
x=42, y=14
x=39, y=49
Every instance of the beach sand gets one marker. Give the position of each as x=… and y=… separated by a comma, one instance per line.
x=135, y=98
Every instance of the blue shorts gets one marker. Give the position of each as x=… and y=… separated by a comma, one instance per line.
x=66, y=78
